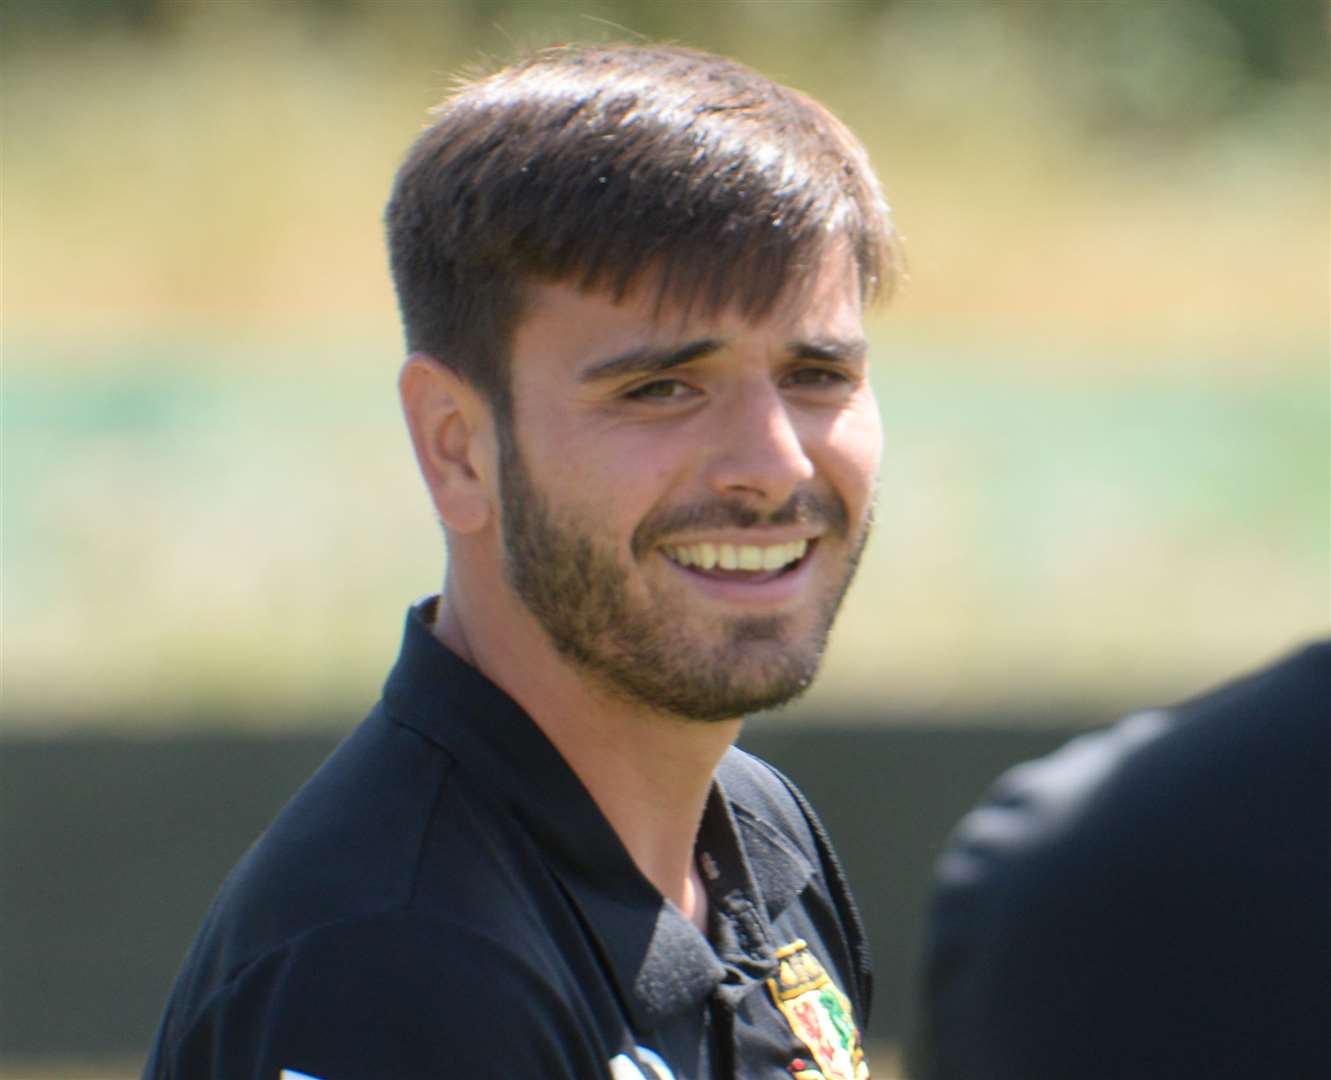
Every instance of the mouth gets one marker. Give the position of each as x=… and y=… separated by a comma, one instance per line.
x=739, y=562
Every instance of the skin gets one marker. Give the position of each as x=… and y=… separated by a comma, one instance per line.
x=635, y=430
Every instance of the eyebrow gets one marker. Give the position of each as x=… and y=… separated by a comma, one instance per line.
x=840, y=350
x=648, y=360
x=653, y=361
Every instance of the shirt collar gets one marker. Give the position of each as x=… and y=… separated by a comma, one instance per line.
x=660, y=961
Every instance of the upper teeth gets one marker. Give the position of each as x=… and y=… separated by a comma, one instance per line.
x=738, y=556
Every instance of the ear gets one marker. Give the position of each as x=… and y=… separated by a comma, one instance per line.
x=452, y=430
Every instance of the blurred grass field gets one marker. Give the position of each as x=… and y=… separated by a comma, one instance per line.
x=184, y=518
x=1105, y=383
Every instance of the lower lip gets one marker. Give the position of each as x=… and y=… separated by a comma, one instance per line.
x=771, y=592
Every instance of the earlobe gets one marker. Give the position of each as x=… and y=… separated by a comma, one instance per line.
x=447, y=420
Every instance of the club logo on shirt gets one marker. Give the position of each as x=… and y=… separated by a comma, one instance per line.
x=819, y=1014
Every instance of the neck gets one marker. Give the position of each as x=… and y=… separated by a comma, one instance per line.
x=649, y=772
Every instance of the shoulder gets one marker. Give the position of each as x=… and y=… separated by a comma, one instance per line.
x=388, y=834
x=345, y=846
x=392, y=995
x=1167, y=772
x=1165, y=875
x=1297, y=686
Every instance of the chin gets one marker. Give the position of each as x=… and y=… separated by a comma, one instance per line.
x=743, y=685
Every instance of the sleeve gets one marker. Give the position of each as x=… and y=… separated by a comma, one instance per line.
x=389, y=999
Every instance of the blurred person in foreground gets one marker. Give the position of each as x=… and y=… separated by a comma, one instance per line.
x=1152, y=901
x=632, y=281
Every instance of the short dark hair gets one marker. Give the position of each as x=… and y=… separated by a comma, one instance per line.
x=600, y=164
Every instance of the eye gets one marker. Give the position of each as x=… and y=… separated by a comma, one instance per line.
x=660, y=390
x=817, y=377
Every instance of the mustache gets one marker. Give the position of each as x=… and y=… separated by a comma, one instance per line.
x=802, y=508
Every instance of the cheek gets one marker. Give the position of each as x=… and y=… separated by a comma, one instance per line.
x=612, y=485
x=854, y=451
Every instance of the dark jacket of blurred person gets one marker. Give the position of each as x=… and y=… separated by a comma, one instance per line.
x=1150, y=901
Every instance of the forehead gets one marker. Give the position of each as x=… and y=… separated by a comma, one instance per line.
x=560, y=322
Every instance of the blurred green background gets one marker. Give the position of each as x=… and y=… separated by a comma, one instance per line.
x=1105, y=385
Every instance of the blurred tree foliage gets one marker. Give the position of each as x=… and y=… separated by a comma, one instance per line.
x=1136, y=46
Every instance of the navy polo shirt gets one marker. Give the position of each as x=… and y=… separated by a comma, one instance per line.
x=444, y=898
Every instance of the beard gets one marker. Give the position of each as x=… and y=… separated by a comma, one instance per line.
x=641, y=650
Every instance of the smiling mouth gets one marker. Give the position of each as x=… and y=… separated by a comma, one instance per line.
x=744, y=559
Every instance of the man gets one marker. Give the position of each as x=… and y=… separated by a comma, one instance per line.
x=631, y=279
x=1151, y=902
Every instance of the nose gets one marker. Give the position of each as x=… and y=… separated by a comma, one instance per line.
x=757, y=450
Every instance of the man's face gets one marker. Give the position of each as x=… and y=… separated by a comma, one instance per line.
x=684, y=499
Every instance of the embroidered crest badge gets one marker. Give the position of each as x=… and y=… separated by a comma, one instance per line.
x=819, y=1014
